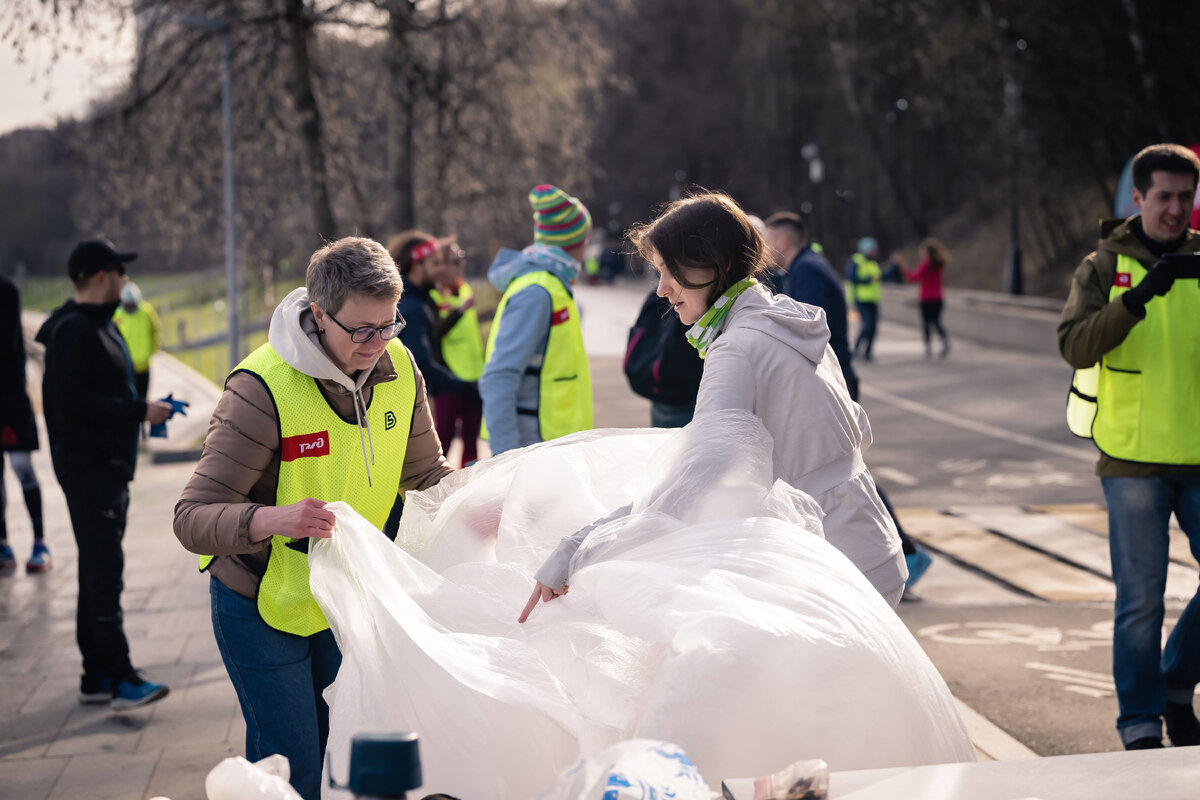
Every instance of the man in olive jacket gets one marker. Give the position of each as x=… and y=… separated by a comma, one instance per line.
x=1137, y=326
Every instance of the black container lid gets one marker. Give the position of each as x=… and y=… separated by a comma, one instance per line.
x=384, y=764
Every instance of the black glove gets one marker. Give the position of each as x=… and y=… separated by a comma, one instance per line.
x=1157, y=282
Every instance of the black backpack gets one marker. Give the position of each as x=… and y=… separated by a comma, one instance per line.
x=660, y=364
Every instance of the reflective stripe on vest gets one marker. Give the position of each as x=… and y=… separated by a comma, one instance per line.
x=865, y=269
x=137, y=329
x=564, y=380
x=321, y=456
x=1147, y=409
x=462, y=345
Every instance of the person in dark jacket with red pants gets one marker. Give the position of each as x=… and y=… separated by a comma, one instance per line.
x=92, y=417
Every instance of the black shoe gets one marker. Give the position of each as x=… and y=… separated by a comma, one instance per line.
x=1145, y=743
x=1183, y=728
x=95, y=691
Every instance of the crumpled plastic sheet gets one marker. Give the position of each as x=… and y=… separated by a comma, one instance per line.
x=713, y=615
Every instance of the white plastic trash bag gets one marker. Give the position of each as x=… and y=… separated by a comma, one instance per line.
x=713, y=615
x=235, y=778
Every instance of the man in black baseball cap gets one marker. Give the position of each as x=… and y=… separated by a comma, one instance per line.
x=94, y=256
x=93, y=414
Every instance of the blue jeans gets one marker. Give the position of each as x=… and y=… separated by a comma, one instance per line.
x=1145, y=673
x=866, y=334
x=279, y=679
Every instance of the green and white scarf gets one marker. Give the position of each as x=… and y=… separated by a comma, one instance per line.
x=706, y=331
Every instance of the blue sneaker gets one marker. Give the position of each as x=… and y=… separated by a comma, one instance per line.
x=8, y=561
x=40, y=560
x=917, y=561
x=95, y=691
x=134, y=692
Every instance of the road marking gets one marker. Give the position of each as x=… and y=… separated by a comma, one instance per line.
x=1059, y=538
x=962, y=466
x=1014, y=564
x=1080, y=681
x=1003, y=434
x=895, y=476
x=1042, y=639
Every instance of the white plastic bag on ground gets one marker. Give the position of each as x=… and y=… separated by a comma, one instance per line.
x=714, y=615
x=235, y=778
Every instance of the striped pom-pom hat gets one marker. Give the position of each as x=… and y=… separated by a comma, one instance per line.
x=558, y=218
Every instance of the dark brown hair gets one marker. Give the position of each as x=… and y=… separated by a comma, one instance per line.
x=936, y=252
x=1171, y=158
x=706, y=231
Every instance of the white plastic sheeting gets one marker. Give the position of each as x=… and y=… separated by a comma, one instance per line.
x=713, y=615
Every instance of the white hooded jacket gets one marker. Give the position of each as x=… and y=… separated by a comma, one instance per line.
x=773, y=359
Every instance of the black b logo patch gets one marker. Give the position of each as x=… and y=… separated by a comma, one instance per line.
x=389, y=421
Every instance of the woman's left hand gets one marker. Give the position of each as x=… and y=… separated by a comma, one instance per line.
x=541, y=592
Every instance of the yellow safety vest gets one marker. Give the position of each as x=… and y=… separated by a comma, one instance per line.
x=1145, y=406
x=564, y=379
x=867, y=269
x=140, y=332
x=462, y=345
x=321, y=457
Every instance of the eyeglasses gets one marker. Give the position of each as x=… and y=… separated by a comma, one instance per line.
x=365, y=334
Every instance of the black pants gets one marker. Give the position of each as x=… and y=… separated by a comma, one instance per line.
x=97, y=502
x=931, y=320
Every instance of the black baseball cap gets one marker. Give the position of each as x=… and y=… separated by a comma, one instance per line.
x=91, y=257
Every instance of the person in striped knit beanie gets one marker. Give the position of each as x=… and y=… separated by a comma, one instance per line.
x=536, y=384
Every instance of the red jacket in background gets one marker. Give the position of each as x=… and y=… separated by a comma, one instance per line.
x=928, y=279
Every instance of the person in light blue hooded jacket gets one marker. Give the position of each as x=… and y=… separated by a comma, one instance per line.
x=536, y=384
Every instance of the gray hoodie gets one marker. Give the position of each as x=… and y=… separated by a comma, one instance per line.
x=294, y=335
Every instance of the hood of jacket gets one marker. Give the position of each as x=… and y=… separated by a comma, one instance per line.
x=98, y=313
x=512, y=264
x=294, y=335
x=799, y=326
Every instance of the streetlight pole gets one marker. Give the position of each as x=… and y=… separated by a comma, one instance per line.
x=1012, y=107
x=222, y=27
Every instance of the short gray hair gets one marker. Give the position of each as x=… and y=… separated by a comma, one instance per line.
x=352, y=265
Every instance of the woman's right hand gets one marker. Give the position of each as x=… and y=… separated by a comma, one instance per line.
x=541, y=592
x=305, y=519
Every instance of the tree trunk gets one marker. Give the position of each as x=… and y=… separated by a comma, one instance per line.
x=402, y=77
x=299, y=28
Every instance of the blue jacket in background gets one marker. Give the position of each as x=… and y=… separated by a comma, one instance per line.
x=519, y=344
